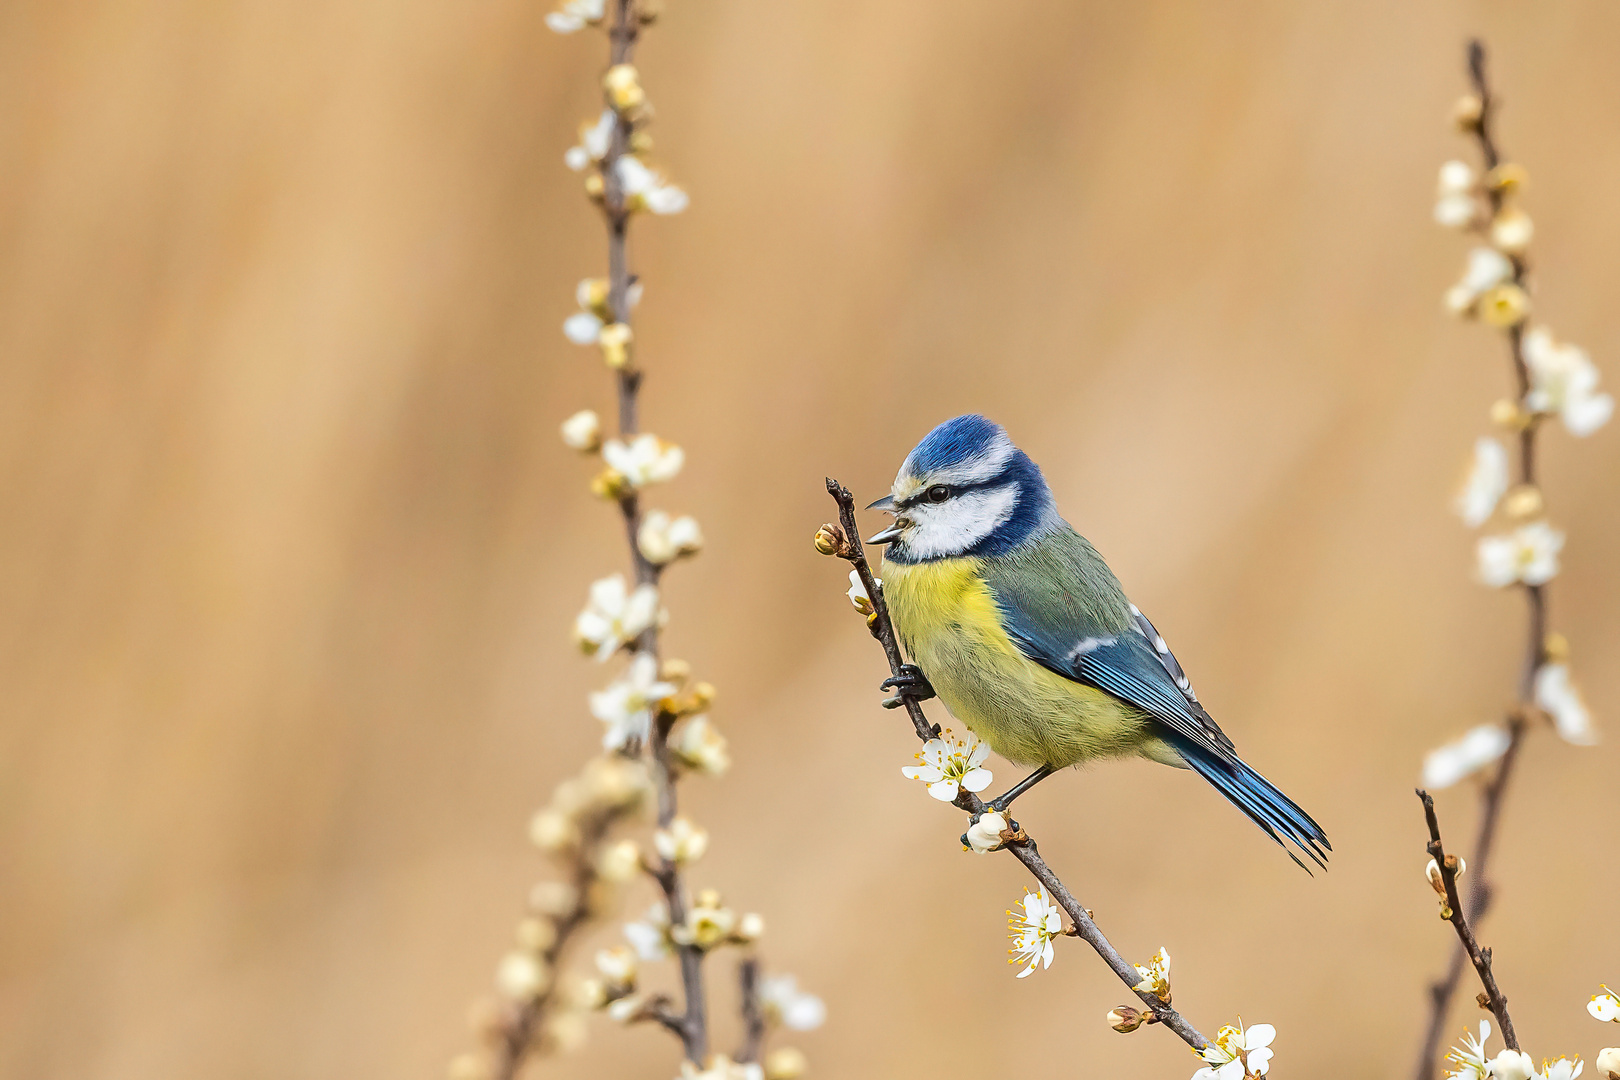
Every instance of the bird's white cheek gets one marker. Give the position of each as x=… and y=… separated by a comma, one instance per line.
x=952, y=527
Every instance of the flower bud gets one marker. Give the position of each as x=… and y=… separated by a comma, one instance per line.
x=1467, y=111
x=553, y=832
x=1512, y=1065
x=786, y=1063
x=623, y=85
x=648, y=11
x=617, y=965
x=592, y=295
x=619, y=862
x=594, y=187
x=750, y=928
x=609, y=484
x=1432, y=872
x=470, y=1066
x=1504, y=306
x=1556, y=648
x=615, y=341
x=1509, y=414
x=984, y=835
x=681, y=843
x=1512, y=230
x=536, y=935
x=1608, y=1063
x=522, y=976
x=582, y=431
x=830, y=540
x=1509, y=178
x=1124, y=1018
x=627, y=1010
x=1524, y=502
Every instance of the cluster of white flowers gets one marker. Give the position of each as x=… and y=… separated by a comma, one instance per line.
x=1033, y=927
x=1563, y=382
x=1238, y=1053
x=1471, y=1061
x=615, y=615
x=950, y=764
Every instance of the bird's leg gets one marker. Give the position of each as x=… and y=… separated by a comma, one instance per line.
x=1004, y=800
x=910, y=683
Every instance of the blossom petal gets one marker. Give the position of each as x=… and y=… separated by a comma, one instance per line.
x=977, y=779
x=944, y=790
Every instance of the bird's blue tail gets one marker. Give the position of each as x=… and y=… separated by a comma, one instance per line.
x=1259, y=798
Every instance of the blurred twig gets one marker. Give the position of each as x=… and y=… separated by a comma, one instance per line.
x=1443, y=990
x=1448, y=866
x=1023, y=849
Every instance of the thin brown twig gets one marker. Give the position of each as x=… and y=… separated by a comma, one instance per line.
x=1444, y=989
x=753, y=1012
x=1024, y=849
x=1495, y=1000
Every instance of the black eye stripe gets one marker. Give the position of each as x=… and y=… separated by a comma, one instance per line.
x=954, y=489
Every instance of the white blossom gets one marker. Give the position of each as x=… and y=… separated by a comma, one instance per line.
x=1608, y=1062
x=1470, y=1058
x=582, y=431
x=1561, y=1069
x=1485, y=484
x=575, y=15
x=1605, y=1007
x=682, y=842
x=646, y=459
x=626, y=705
x=1564, y=380
x=984, y=835
x=949, y=764
x=1464, y=757
x=594, y=138
x=708, y=922
x=650, y=935
x=643, y=187
x=1487, y=268
x=857, y=593
x=1512, y=230
x=1238, y=1052
x=615, y=615
x=663, y=539
x=1558, y=695
x=617, y=965
x=619, y=862
x=1156, y=976
x=1032, y=929
x=1512, y=1065
x=522, y=976
x=700, y=746
x=785, y=1003
x=584, y=327
x=1528, y=554
x=1457, y=204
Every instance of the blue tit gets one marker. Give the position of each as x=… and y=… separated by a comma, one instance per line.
x=1018, y=625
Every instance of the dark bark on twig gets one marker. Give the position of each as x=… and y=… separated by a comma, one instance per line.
x=1023, y=850
x=1442, y=991
x=1496, y=1001
x=753, y=1013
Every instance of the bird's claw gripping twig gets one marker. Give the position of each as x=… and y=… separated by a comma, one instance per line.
x=910, y=683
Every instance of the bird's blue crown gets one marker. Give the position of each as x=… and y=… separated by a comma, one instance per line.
x=997, y=498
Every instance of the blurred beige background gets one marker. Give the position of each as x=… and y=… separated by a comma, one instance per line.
x=289, y=545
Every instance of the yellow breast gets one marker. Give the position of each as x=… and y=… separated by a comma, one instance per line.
x=950, y=627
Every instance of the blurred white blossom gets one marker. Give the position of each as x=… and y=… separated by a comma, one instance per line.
x=1485, y=484
x=522, y=976
x=707, y=924
x=663, y=539
x=1472, y=1063
x=682, y=842
x=594, y=140
x=619, y=862
x=1557, y=693
x=1512, y=230
x=1564, y=380
x=646, y=459
x=949, y=764
x=1487, y=268
x=575, y=15
x=626, y=705
x=1528, y=554
x=650, y=936
x=614, y=615
x=700, y=746
x=1464, y=757
x=1457, y=204
x=617, y=965
x=785, y=1003
x=645, y=189
x=1032, y=928
x=1605, y=1007
x=582, y=431
x=585, y=326
x=721, y=1067
x=1156, y=976
x=1238, y=1052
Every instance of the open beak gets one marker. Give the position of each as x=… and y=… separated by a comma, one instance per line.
x=887, y=536
x=885, y=503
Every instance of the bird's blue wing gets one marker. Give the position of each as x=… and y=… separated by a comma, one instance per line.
x=1121, y=652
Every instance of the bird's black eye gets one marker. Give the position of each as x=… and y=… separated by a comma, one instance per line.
x=938, y=493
